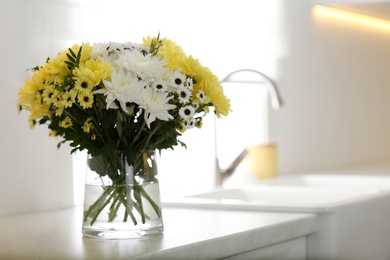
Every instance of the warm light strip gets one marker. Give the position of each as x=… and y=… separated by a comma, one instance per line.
x=351, y=17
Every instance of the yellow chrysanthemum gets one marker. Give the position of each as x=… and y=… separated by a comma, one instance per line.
x=190, y=66
x=27, y=94
x=87, y=125
x=169, y=51
x=68, y=98
x=101, y=70
x=85, y=80
x=56, y=68
x=53, y=133
x=57, y=102
x=66, y=123
x=49, y=94
x=59, y=111
x=31, y=99
x=213, y=90
x=85, y=52
x=177, y=59
x=30, y=90
x=39, y=111
x=85, y=99
x=90, y=73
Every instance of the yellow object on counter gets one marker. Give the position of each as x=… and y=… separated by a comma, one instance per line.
x=263, y=160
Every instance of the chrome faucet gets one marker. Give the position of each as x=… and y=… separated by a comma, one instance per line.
x=276, y=101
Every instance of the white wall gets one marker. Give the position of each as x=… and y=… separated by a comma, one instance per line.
x=34, y=174
x=333, y=77
x=336, y=83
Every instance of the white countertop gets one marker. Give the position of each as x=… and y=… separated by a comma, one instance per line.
x=189, y=234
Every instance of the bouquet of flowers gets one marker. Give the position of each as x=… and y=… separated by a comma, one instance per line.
x=116, y=100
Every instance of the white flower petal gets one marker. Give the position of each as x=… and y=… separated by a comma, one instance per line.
x=187, y=112
x=156, y=105
x=122, y=88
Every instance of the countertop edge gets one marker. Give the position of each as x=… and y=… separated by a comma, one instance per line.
x=225, y=246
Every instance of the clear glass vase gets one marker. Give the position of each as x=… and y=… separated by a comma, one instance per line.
x=122, y=196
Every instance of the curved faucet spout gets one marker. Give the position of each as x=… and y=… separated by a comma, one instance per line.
x=276, y=99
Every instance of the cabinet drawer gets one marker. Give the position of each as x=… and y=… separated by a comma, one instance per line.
x=292, y=249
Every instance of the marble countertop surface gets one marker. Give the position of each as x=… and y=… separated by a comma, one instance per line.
x=189, y=234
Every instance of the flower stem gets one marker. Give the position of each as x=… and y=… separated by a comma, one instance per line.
x=126, y=190
x=155, y=206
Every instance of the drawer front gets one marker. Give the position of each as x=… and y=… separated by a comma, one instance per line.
x=292, y=249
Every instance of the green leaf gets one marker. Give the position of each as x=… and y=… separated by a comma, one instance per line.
x=70, y=58
x=71, y=52
x=182, y=144
x=60, y=143
x=79, y=55
x=97, y=164
x=43, y=120
x=119, y=128
x=70, y=65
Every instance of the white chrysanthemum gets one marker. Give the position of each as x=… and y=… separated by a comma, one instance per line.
x=123, y=87
x=187, y=112
x=99, y=50
x=117, y=48
x=127, y=46
x=148, y=67
x=155, y=104
x=166, y=77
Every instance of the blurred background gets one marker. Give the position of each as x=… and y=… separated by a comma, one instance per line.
x=333, y=76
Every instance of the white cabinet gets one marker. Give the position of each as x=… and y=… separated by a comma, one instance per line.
x=292, y=249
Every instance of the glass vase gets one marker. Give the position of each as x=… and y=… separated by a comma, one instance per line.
x=122, y=196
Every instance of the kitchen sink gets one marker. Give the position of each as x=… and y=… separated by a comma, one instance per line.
x=273, y=198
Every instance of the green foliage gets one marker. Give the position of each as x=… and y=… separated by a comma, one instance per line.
x=156, y=44
x=74, y=59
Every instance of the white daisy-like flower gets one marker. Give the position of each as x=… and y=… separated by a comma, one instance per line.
x=188, y=123
x=123, y=87
x=195, y=105
x=178, y=79
x=187, y=112
x=184, y=94
x=155, y=105
x=189, y=83
x=159, y=85
x=201, y=96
